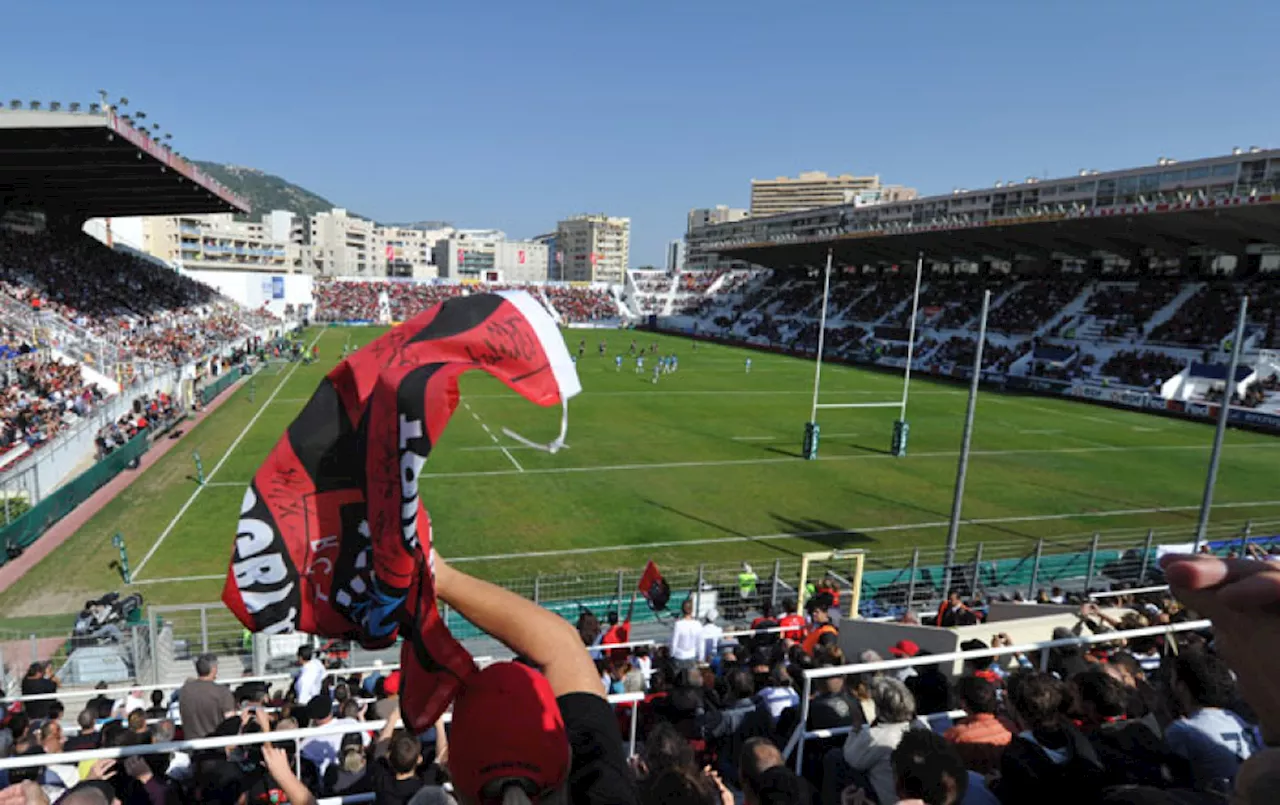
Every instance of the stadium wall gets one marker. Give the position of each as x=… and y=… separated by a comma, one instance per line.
x=255, y=290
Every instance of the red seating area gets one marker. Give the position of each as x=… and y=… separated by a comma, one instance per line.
x=582, y=305
x=358, y=301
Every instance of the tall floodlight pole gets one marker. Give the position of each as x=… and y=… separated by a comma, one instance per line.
x=1228, y=390
x=810, y=447
x=953, y=532
x=900, y=428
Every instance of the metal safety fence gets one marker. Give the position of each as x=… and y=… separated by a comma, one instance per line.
x=893, y=582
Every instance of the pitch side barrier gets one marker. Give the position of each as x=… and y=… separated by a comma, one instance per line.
x=386, y=668
x=251, y=739
x=797, y=740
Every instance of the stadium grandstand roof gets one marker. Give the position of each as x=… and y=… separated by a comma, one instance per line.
x=98, y=165
x=1236, y=204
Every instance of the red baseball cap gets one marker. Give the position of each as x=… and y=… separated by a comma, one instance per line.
x=391, y=685
x=507, y=726
x=904, y=648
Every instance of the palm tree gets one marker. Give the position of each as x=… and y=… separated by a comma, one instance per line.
x=55, y=106
x=155, y=127
x=15, y=104
x=95, y=108
x=74, y=106
x=122, y=102
x=35, y=104
x=140, y=115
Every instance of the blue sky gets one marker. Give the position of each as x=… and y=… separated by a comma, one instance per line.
x=514, y=114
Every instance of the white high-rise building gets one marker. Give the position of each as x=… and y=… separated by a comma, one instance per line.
x=596, y=248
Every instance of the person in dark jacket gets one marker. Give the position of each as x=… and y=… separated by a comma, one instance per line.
x=1130, y=750
x=741, y=718
x=1049, y=761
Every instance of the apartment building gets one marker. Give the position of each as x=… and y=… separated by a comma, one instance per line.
x=595, y=248
x=813, y=189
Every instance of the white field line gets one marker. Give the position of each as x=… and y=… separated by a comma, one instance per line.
x=236, y=443
x=868, y=530
x=485, y=448
x=494, y=437
x=671, y=465
x=726, y=393
x=679, y=543
x=1055, y=412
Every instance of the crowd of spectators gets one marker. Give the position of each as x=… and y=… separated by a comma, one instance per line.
x=360, y=301
x=150, y=412
x=41, y=397
x=1036, y=302
x=959, y=350
x=582, y=305
x=144, y=310
x=838, y=340
x=1143, y=368
x=1178, y=717
x=889, y=291
x=1124, y=308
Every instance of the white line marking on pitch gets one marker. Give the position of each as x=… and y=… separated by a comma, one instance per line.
x=588, y=393
x=174, y=522
x=857, y=457
x=785, y=536
x=487, y=448
x=1034, y=518
x=494, y=437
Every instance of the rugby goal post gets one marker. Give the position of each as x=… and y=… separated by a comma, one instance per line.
x=898, y=443
x=825, y=560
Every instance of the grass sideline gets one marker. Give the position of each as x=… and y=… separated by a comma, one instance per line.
x=708, y=457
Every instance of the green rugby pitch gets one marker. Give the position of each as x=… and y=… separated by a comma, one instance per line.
x=702, y=466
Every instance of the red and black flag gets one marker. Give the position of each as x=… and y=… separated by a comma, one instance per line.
x=654, y=588
x=333, y=539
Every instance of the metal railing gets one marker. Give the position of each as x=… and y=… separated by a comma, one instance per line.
x=253, y=739
x=797, y=740
x=894, y=581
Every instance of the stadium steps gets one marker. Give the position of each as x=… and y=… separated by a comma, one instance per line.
x=669, y=295
x=893, y=312
x=1165, y=313
x=1072, y=308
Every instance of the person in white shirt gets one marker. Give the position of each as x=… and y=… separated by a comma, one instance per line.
x=310, y=679
x=711, y=635
x=686, y=637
